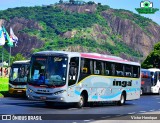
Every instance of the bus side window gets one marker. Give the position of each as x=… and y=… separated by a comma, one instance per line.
x=113, y=69
x=135, y=75
x=107, y=68
x=119, y=69
x=119, y=73
x=107, y=72
x=142, y=75
x=136, y=71
x=146, y=75
x=128, y=74
x=84, y=70
x=128, y=70
x=97, y=67
x=85, y=66
x=73, y=70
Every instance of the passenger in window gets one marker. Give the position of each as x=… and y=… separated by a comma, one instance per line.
x=41, y=78
x=73, y=72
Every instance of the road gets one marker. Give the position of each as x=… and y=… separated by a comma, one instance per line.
x=147, y=104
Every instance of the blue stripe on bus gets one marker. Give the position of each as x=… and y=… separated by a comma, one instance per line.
x=95, y=97
x=109, y=97
x=77, y=92
x=119, y=93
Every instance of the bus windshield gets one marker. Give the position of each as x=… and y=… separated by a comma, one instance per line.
x=49, y=71
x=18, y=73
x=156, y=77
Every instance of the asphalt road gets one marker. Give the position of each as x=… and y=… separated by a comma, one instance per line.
x=147, y=104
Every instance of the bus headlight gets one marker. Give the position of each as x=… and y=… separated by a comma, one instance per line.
x=30, y=90
x=59, y=92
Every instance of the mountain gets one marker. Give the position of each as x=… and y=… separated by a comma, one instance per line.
x=82, y=28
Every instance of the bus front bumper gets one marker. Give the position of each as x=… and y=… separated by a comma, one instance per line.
x=17, y=91
x=45, y=97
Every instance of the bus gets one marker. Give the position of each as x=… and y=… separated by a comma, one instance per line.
x=72, y=77
x=155, y=73
x=146, y=81
x=18, y=77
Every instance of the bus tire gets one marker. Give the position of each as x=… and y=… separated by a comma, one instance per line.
x=122, y=99
x=82, y=101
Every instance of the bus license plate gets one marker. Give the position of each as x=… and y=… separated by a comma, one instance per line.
x=19, y=91
x=43, y=98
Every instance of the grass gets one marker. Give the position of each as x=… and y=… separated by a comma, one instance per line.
x=1, y=95
x=3, y=85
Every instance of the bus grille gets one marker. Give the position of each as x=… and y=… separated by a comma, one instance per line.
x=44, y=93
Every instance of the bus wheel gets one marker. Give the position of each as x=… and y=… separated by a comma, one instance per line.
x=122, y=100
x=81, y=102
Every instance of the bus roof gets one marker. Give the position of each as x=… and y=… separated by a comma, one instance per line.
x=108, y=58
x=142, y=69
x=154, y=69
x=20, y=62
x=57, y=52
x=89, y=55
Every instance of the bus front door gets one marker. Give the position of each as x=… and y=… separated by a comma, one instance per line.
x=73, y=76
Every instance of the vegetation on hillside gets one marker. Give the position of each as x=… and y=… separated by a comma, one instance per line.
x=141, y=21
x=55, y=22
x=5, y=56
x=153, y=58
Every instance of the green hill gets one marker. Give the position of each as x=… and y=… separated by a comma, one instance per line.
x=58, y=28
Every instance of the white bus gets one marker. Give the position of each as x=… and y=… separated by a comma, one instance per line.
x=155, y=73
x=59, y=76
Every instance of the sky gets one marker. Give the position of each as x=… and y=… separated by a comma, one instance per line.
x=117, y=4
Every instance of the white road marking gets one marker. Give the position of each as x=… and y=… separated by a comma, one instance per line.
x=86, y=120
x=132, y=113
x=142, y=111
x=152, y=110
x=105, y=117
x=72, y=108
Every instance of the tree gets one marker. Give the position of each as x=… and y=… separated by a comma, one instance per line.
x=72, y=1
x=19, y=57
x=61, y=1
x=91, y=2
x=153, y=58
